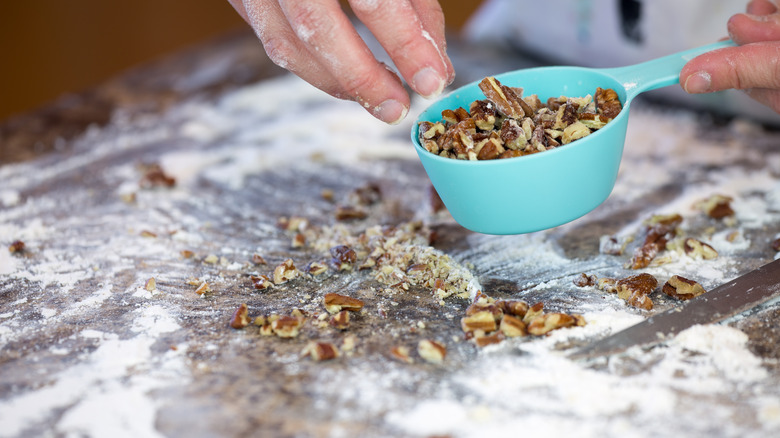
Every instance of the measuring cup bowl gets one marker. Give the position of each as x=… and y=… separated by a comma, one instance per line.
x=550, y=188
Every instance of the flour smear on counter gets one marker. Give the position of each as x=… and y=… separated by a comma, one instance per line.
x=680, y=386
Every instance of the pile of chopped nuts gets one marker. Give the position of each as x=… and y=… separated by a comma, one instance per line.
x=635, y=290
x=506, y=124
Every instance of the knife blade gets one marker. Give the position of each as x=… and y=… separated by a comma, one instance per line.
x=741, y=294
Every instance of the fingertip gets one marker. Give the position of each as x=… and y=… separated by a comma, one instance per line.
x=698, y=82
x=428, y=82
x=390, y=111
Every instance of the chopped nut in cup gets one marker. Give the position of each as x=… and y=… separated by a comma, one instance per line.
x=507, y=125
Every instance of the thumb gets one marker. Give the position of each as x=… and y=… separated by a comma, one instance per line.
x=754, y=65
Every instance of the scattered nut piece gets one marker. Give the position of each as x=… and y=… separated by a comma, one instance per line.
x=401, y=353
x=316, y=268
x=203, y=288
x=716, y=206
x=327, y=194
x=257, y=259
x=343, y=257
x=16, y=246
x=294, y=223
x=285, y=272
x=659, y=229
x=240, y=317
x=485, y=340
x=585, y=280
x=483, y=321
x=548, y=322
x=187, y=254
x=287, y=326
x=534, y=311
x=340, y=320
x=682, y=288
x=775, y=244
x=150, y=285
x=512, y=327
x=335, y=303
x=699, y=250
x=431, y=351
x=260, y=282
x=211, y=259
x=147, y=233
x=348, y=213
x=514, y=307
x=320, y=351
x=154, y=176
x=634, y=289
x=298, y=241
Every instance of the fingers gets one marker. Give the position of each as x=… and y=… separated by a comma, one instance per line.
x=752, y=66
x=328, y=35
x=413, y=45
x=761, y=7
x=432, y=18
x=748, y=28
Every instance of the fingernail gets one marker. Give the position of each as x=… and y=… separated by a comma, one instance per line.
x=699, y=82
x=428, y=83
x=390, y=111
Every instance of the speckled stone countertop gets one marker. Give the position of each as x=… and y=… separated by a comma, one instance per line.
x=88, y=347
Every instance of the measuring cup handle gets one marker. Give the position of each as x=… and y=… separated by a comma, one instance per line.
x=659, y=72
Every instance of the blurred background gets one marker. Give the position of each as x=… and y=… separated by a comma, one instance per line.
x=55, y=47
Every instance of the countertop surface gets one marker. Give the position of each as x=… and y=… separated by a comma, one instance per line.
x=191, y=170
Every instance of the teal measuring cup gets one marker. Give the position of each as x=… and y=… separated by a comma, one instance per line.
x=547, y=189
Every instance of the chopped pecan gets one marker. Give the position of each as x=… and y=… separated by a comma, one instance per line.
x=507, y=101
x=287, y=326
x=349, y=212
x=335, y=303
x=485, y=340
x=257, y=259
x=548, y=322
x=716, y=206
x=512, y=327
x=634, y=289
x=431, y=351
x=16, y=247
x=699, y=250
x=368, y=194
x=574, y=131
x=150, y=285
x=513, y=135
x=484, y=114
x=659, y=230
x=514, y=307
x=534, y=311
x=320, y=351
x=316, y=268
x=775, y=245
x=340, y=320
x=285, y=272
x=154, y=176
x=585, y=280
x=240, y=317
x=483, y=321
x=203, y=288
x=682, y=288
x=401, y=353
x=343, y=257
x=607, y=103
x=260, y=282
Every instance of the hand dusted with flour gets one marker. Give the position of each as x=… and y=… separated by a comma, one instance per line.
x=316, y=41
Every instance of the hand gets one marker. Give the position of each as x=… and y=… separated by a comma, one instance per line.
x=315, y=40
x=753, y=66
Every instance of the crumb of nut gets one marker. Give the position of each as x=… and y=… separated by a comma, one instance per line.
x=147, y=233
x=534, y=311
x=484, y=340
x=260, y=282
x=698, y=250
x=192, y=281
x=431, y=351
x=348, y=213
x=203, y=288
x=716, y=206
x=682, y=288
x=369, y=194
x=327, y=194
x=612, y=245
x=187, y=254
x=516, y=308
x=128, y=198
x=257, y=259
x=548, y=322
x=294, y=223
x=343, y=257
x=316, y=268
x=240, y=317
x=287, y=326
x=154, y=176
x=634, y=289
x=298, y=241
x=495, y=309
x=340, y=320
x=16, y=247
x=335, y=303
x=659, y=229
x=585, y=280
x=483, y=320
x=348, y=344
x=285, y=272
x=401, y=353
x=512, y=327
x=320, y=351
x=211, y=259
x=150, y=285
x=298, y=313
x=259, y=321
x=775, y=244
x=266, y=329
